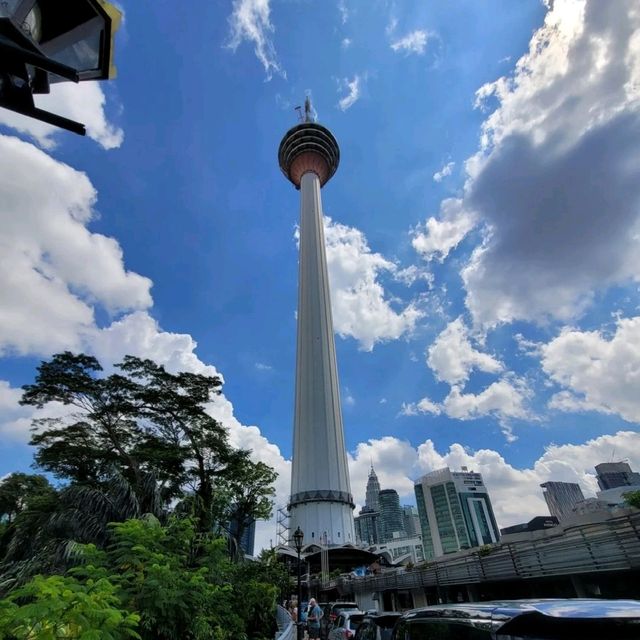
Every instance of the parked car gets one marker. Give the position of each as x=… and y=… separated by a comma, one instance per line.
x=570, y=619
x=377, y=625
x=346, y=625
x=337, y=607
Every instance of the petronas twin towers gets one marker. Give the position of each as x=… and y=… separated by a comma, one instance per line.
x=321, y=503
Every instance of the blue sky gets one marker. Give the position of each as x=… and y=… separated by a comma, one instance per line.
x=482, y=229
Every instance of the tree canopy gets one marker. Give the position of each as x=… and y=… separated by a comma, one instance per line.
x=148, y=493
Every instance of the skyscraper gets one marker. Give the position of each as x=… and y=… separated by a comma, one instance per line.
x=321, y=502
x=373, y=489
x=411, y=520
x=367, y=526
x=455, y=512
x=390, y=515
x=616, y=474
x=562, y=497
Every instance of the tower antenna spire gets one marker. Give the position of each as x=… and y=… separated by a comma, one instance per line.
x=308, y=111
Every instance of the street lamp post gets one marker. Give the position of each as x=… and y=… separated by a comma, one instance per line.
x=298, y=537
x=46, y=41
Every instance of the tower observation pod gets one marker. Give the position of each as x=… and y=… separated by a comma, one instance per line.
x=321, y=503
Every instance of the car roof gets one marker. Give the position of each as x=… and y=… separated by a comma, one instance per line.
x=556, y=608
x=384, y=617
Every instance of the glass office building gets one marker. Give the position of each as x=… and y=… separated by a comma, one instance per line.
x=455, y=512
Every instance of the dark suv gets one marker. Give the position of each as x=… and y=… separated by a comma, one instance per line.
x=523, y=620
x=377, y=626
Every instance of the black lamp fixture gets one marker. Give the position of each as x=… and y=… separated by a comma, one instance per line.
x=47, y=41
x=298, y=538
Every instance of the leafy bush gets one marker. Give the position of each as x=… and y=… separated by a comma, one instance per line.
x=63, y=607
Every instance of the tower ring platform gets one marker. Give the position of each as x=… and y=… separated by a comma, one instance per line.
x=308, y=147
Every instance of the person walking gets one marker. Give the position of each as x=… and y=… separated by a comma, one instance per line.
x=313, y=619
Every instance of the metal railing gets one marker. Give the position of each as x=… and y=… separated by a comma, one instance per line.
x=613, y=545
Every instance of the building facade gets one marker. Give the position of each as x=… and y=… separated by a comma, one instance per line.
x=562, y=498
x=367, y=526
x=391, y=520
x=455, y=512
x=616, y=474
x=373, y=489
x=411, y=521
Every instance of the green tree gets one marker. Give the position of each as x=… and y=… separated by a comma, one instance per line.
x=153, y=428
x=63, y=607
x=176, y=579
x=632, y=498
x=16, y=491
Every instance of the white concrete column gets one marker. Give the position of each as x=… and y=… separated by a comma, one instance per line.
x=319, y=458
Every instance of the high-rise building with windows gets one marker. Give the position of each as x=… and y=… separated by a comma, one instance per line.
x=367, y=526
x=455, y=512
x=373, y=489
x=562, y=498
x=411, y=521
x=391, y=521
x=616, y=474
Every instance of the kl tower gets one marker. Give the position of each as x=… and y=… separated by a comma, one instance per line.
x=321, y=503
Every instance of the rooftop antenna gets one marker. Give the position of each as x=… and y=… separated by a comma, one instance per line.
x=300, y=116
x=308, y=113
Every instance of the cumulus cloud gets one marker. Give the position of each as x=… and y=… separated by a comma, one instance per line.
x=53, y=270
x=446, y=170
x=515, y=493
x=422, y=406
x=353, y=88
x=554, y=179
x=250, y=21
x=84, y=102
x=599, y=372
x=452, y=357
x=360, y=306
x=413, y=42
x=439, y=236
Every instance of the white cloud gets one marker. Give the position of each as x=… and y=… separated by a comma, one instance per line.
x=344, y=11
x=452, y=357
x=53, y=270
x=422, y=406
x=353, y=88
x=262, y=366
x=505, y=399
x=83, y=102
x=413, y=42
x=346, y=43
x=515, y=493
x=360, y=307
x=446, y=170
x=554, y=179
x=250, y=20
x=441, y=235
x=600, y=372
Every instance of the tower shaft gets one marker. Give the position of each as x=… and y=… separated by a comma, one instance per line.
x=321, y=502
